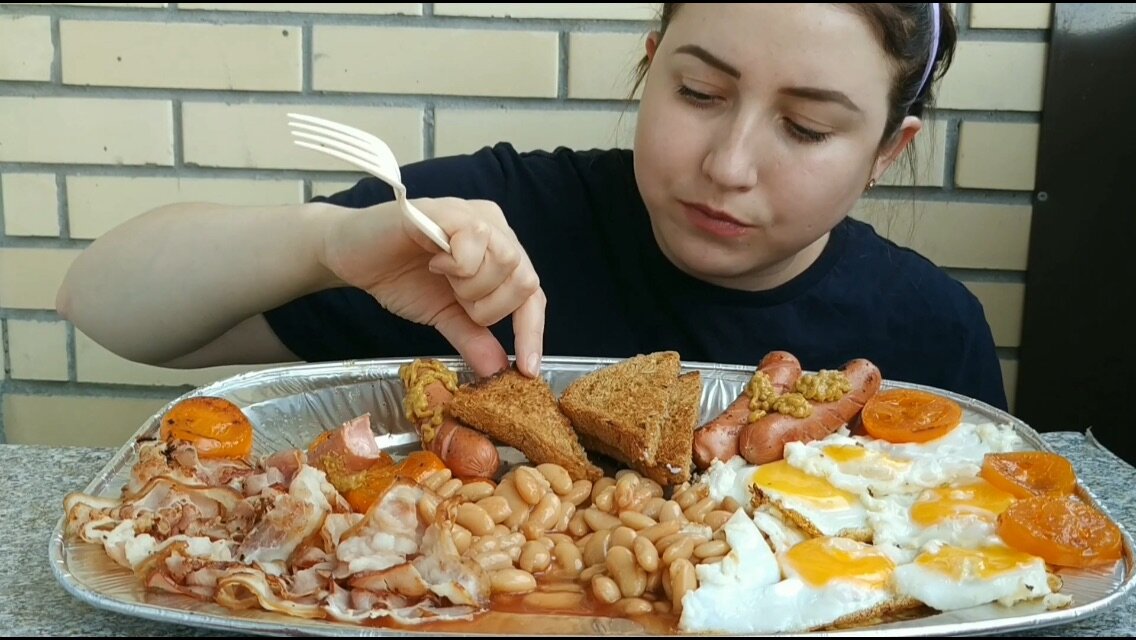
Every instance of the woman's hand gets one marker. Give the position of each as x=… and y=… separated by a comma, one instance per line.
x=486, y=277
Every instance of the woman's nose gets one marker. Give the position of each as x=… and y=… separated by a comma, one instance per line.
x=732, y=160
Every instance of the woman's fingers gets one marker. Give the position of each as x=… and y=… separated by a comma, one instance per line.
x=528, y=331
x=474, y=276
x=474, y=343
x=491, y=277
x=506, y=298
x=469, y=247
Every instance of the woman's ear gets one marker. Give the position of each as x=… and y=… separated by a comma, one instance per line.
x=907, y=131
x=652, y=45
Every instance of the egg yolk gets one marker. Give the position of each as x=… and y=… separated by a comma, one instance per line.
x=845, y=452
x=782, y=478
x=984, y=563
x=978, y=499
x=819, y=561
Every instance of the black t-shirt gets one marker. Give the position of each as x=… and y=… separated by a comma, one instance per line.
x=612, y=293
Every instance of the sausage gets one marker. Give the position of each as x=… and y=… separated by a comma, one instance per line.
x=764, y=440
x=719, y=437
x=349, y=449
x=468, y=453
x=429, y=386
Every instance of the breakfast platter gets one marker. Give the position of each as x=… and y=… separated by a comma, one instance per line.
x=842, y=533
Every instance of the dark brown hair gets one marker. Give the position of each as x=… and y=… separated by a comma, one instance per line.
x=905, y=31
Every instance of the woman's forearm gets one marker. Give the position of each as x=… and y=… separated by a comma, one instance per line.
x=174, y=279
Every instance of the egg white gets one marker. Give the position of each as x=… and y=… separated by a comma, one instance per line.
x=747, y=594
x=949, y=578
x=808, y=501
x=867, y=466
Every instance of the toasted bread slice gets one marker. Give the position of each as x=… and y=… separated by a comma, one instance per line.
x=522, y=412
x=624, y=405
x=672, y=458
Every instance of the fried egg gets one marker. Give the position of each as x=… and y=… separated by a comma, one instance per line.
x=948, y=577
x=962, y=514
x=864, y=465
x=826, y=580
x=809, y=502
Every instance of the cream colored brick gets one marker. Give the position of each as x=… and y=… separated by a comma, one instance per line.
x=26, y=52
x=1010, y=381
x=996, y=155
x=37, y=350
x=29, y=278
x=31, y=204
x=595, y=11
x=182, y=56
x=329, y=188
x=257, y=135
x=955, y=234
x=93, y=363
x=78, y=421
x=98, y=203
x=602, y=65
x=995, y=76
x=1005, y=15
x=140, y=5
x=472, y=62
x=466, y=131
x=1003, y=303
x=86, y=131
x=358, y=8
x=930, y=156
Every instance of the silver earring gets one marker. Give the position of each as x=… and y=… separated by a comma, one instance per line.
x=871, y=184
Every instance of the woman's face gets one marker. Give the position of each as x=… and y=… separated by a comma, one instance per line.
x=758, y=128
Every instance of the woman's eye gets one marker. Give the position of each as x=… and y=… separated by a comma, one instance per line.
x=805, y=134
x=697, y=98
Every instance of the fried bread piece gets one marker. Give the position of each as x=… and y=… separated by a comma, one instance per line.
x=623, y=411
x=673, y=456
x=522, y=412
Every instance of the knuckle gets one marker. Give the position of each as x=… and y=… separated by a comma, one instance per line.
x=528, y=282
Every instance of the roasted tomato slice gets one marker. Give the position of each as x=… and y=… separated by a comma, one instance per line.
x=370, y=485
x=215, y=427
x=1029, y=473
x=909, y=415
x=1063, y=530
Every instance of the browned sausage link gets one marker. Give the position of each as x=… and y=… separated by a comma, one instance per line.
x=764, y=441
x=719, y=437
x=468, y=453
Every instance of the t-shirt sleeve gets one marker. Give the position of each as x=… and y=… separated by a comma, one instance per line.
x=348, y=323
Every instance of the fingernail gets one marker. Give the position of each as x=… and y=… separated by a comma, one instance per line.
x=534, y=364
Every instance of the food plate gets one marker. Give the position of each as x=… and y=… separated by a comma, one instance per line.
x=289, y=406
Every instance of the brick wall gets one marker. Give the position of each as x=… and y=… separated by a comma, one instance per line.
x=107, y=110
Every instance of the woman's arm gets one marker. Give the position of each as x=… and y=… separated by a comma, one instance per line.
x=169, y=282
x=185, y=284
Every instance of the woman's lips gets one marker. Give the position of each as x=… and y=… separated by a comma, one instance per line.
x=713, y=221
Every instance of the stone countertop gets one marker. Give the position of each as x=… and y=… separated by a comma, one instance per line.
x=35, y=479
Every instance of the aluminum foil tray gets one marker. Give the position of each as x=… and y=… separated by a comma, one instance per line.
x=290, y=405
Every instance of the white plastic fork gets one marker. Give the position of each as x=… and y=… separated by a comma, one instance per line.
x=368, y=153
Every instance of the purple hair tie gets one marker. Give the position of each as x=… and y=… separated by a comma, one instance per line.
x=934, y=47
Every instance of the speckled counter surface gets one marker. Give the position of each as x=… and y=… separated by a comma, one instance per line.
x=34, y=480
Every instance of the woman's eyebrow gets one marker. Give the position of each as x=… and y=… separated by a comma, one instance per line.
x=710, y=59
x=822, y=95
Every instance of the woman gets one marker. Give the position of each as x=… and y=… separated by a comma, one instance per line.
x=724, y=235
